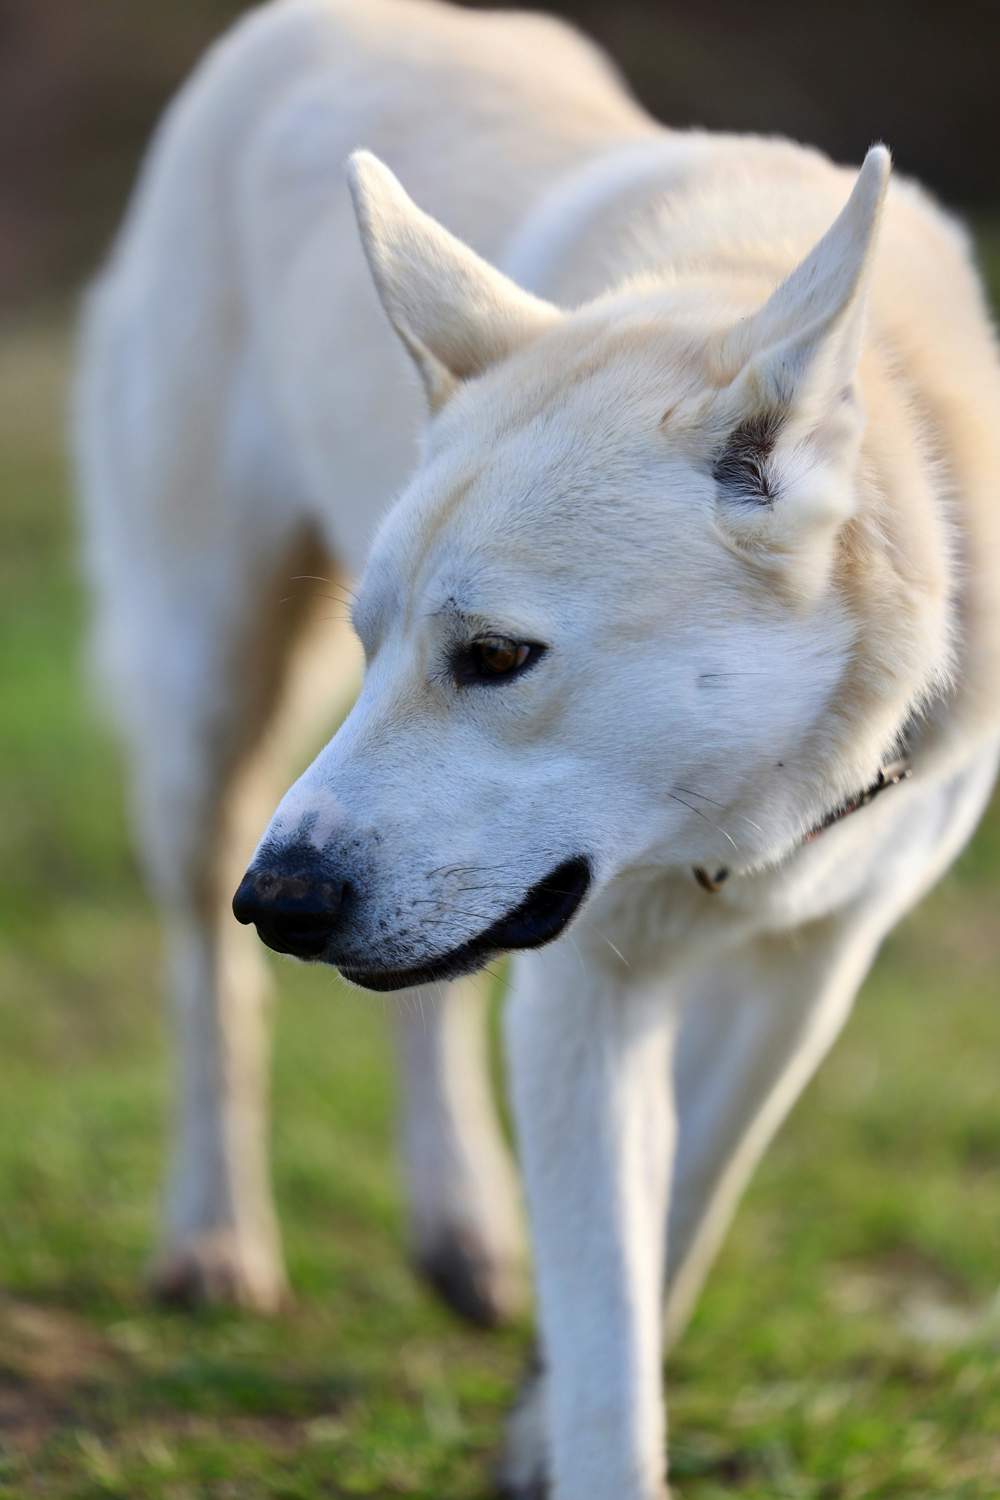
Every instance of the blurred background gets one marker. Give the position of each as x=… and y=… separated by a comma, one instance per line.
x=81, y=85
x=849, y=1345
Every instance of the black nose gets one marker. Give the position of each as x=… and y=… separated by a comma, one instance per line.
x=294, y=905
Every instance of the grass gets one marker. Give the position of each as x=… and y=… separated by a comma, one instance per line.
x=845, y=1350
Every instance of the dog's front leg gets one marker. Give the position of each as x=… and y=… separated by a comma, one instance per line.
x=465, y=1219
x=589, y=1059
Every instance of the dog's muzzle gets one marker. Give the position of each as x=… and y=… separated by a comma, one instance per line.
x=299, y=906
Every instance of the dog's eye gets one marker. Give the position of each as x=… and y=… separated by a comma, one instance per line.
x=493, y=658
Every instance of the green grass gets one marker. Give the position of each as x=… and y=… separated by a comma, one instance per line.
x=845, y=1349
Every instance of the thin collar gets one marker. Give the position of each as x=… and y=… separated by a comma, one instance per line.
x=891, y=775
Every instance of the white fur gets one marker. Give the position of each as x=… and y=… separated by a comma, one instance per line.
x=722, y=669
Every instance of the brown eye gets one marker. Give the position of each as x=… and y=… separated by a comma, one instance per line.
x=494, y=657
x=497, y=655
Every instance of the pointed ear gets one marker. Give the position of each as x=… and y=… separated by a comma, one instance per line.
x=454, y=312
x=789, y=421
x=802, y=347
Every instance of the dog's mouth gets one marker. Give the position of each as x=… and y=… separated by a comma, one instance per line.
x=545, y=912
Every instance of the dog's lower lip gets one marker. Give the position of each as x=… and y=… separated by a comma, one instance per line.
x=539, y=918
x=392, y=979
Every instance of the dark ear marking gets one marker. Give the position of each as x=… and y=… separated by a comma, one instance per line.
x=743, y=468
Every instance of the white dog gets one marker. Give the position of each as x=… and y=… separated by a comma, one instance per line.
x=684, y=636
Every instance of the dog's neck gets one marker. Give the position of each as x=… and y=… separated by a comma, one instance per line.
x=898, y=771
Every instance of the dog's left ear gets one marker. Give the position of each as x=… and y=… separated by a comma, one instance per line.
x=455, y=313
x=802, y=347
x=788, y=418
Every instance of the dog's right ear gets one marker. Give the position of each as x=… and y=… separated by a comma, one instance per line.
x=454, y=312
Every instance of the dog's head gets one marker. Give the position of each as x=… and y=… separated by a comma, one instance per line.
x=601, y=622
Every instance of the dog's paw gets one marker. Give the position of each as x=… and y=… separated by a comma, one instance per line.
x=484, y=1286
x=522, y=1469
x=215, y=1269
x=522, y=1472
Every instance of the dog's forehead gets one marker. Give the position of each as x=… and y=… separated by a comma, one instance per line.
x=566, y=424
x=601, y=374
x=533, y=472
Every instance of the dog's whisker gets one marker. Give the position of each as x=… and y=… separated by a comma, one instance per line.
x=711, y=821
x=579, y=957
x=448, y=910
x=747, y=672
x=330, y=583
x=615, y=949
x=446, y=870
x=690, y=792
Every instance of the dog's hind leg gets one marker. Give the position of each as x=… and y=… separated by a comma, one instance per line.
x=195, y=535
x=207, y=773
x=465, y=1220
